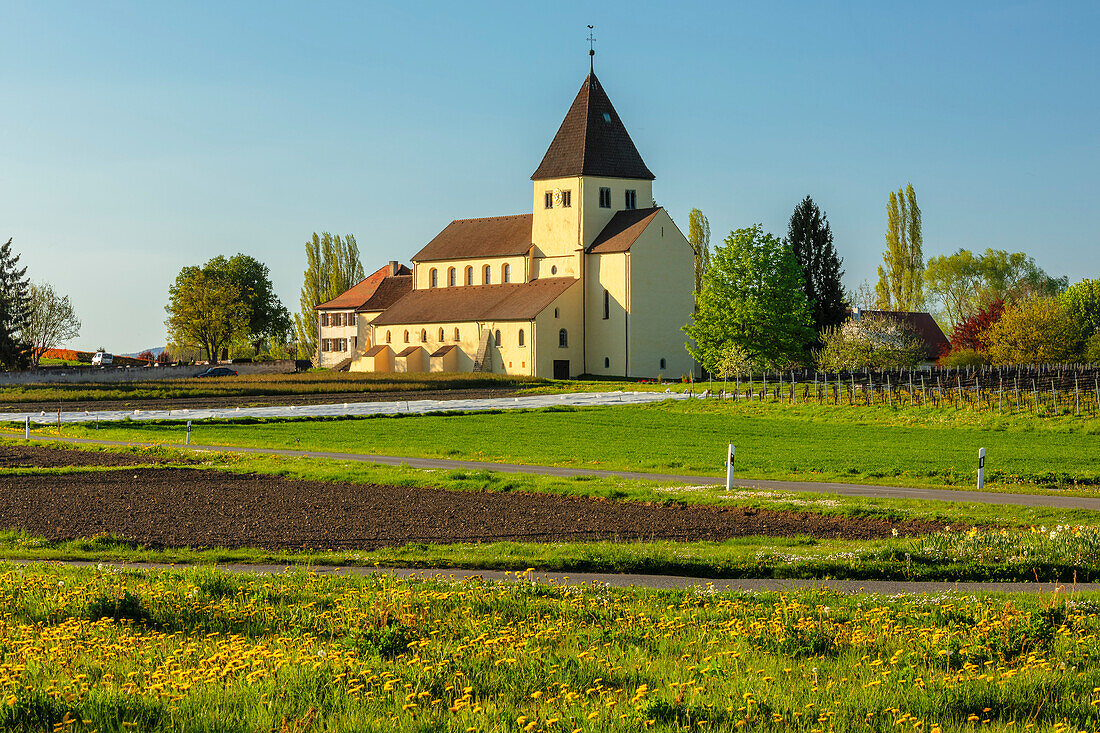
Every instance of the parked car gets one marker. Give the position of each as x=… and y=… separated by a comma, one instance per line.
x=101, y=358
x=217, y=372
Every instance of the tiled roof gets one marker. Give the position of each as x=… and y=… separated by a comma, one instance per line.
x=443, y=350
x=510, y=302
x=376, y=350
x=496, y=236
x=409, y=351
x=923, y=325
x=592, y=141
x=622, y=231
x=389, y=291
x=362, y=291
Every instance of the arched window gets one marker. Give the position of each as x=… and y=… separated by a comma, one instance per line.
x=441, y=335
x=521, y=337
x=456, y=334
x=496, y=338
x=433, y=278
x=389, y=337
x=506, y=273
x=563, y=339
x=451, y=275
x=406, y=336
x=662, y=363
x=487, y=276
x=607, y=362
x=469, y=275
x=423, y=335
x=553, y=269
x=606, y=304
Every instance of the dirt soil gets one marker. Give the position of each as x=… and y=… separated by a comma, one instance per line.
x=192, y=403
x=181, y=507
x=27, y=456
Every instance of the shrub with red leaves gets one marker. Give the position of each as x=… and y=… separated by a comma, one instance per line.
x=970, y=333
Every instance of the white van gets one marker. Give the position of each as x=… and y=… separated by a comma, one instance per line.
x=101, y=358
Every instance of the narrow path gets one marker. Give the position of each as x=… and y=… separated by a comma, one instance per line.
x=869, y=491
x=660, y=582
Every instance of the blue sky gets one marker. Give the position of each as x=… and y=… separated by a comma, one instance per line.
x=137, y=138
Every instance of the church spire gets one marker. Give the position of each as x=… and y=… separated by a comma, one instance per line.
x=591, y=52
x=592, y=141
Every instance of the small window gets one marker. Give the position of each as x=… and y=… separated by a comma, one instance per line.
x=324, y=319
x=506, y=273
x=423, y=335
x=606, y=362
x=433, y=278
x=406, y=336
x=549, y=197
x=631, y=199
x=606, y=304
x=456, y=335
x=389, y=337
x=553, y=269
x=563, y=339
x=487, y=275
x=605, y=198
x=555, y=313
x=353, y=319
x=343, y=345
x=521, y=337
x=441, y=335
x=452, y=277
x=469, y=275
x=662, y=363
x=324, y=344
x=496, y=338
x=566, y=199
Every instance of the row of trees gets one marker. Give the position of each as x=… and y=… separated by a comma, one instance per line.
x=34, y=318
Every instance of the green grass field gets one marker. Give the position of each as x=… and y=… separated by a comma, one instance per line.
x=907, y=447
x=84, y=650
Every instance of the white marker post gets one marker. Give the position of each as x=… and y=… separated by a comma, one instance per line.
x=981, y=469
x=729, y=468
x=188, y=432
x=27, y=427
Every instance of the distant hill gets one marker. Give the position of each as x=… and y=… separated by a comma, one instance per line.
x=156, y=351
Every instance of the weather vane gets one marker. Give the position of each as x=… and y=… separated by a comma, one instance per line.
x=591, y=50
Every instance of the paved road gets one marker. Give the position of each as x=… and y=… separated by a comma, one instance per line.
x=663, y=582
x=878, y=492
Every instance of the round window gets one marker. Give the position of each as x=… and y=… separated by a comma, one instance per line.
x=553, y=269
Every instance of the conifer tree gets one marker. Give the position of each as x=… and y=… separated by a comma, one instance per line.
x=811, y=240
x=14, y=305
x=901, y=277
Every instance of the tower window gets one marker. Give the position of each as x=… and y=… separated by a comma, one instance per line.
x=553, y=269
x=563, y=339
x=605, y=198
x=631, y=199
x=566, y=199
x=606, y=304
x=389, y=337
x=549, y=197
x=506, y=273
x=441, y=335
x=555, y=313
x=662, y=363
x=456, y=334
x=406, y=337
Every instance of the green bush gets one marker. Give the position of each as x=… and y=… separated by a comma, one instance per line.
x=963, y=358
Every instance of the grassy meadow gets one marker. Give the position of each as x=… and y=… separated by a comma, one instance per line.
x=860, y=444
x=88, y=649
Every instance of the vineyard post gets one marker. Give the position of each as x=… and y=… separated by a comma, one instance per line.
x=1076, y=396
x=910, y=387
x=188, y=433
x=765, y=385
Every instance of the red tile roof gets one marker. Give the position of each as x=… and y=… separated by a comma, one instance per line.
x=923, y=325
x=389, y=291
x=361, y=292
x=376, y=350
x=443, y=350
x=409, y=351
x=622, y=231
x=497, y=236
x=592, y=141
x=510, y=302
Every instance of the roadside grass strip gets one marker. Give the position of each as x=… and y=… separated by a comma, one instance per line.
x=84, y=650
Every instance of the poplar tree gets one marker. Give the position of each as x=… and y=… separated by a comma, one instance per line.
x=699, y=239
x=901, y=276
x=14, y=309
x=811, y=240
x=332, y=266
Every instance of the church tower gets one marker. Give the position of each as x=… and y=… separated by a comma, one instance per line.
x=590, y=171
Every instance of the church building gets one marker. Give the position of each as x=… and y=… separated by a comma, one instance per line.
x=596, y=280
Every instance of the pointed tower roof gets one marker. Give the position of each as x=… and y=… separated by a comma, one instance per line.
x=592, y=141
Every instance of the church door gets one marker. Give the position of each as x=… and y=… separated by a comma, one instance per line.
x=561, y=369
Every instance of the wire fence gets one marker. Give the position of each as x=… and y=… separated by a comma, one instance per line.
x=1043, y=390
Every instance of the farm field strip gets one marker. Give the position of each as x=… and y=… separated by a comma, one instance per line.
x=200, y=650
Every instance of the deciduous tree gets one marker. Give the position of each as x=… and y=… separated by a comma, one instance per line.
x=871, y=342
x=14, y=290
x=266, y=316
x=901, y=277
x=332, y=266
x=699, y=239
x=972, y=333
x=811, y=240
x=751, y=297
x=206, y=309
x=51, y=321
x=1036, y=331
x=1082, y=304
